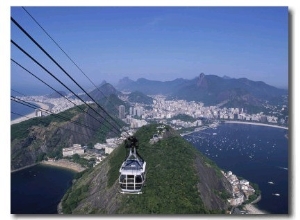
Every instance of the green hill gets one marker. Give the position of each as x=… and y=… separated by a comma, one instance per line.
x=139, y=97
x=180, y=180
x=33, y=139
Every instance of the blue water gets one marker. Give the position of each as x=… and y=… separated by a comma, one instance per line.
x=19, y=109
x=259, y=154
x=39, y=189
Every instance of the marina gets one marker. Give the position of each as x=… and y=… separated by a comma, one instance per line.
x=256, y=153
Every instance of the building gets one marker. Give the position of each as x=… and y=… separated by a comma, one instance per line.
x=69, y=151
x=99, y=146
x=109, y=149
x=38, y=113
x=121, y=111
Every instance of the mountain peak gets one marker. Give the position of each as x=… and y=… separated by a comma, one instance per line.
x=226, y=77
x=126, y=79
x=202, y=82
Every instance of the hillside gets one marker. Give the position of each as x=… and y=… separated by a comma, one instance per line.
x=180, y=180
x=139, y=97
x=102, y=91
x=36, y=138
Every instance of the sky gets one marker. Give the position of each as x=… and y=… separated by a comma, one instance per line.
x=157, y=43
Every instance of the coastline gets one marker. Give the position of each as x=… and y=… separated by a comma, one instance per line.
x=64, y=163
x=256, y=123
x=244, y=122
x=16, y=170
x=252, y=209
x=30, y=115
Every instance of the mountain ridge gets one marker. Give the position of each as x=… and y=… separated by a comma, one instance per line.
x=209, y=89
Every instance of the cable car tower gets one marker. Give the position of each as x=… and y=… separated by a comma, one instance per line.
x=133, y=169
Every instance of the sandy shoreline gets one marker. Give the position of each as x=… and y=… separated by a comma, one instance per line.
x=64, y=163
x=252, y=210
x=256, y=123
x=31, y=115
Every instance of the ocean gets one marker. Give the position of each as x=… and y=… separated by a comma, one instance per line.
x=39, y=189
x=19, y=109
x=259, y=154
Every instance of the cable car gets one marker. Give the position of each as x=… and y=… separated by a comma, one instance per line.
x=133, y=170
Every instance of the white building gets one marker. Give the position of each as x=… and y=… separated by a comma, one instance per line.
x=99, y=146
x=76, y=149
x=238, y=200
x=109, y=149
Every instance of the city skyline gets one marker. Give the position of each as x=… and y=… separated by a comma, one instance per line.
x=157, y=43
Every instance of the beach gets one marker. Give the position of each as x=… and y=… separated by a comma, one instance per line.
x=252, y=210
x=65, y=164
x=31, y=115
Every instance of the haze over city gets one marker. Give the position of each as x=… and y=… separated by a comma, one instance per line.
x=157, y=43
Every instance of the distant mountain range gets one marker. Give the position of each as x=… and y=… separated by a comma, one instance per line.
x=209, y=89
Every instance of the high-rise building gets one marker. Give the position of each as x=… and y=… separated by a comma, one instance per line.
x=121, y=111
x=131, y=111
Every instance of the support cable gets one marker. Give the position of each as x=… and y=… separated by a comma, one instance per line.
x=41, y=48
x=68, y=56
x=33, y=106
x=54, y=90
x=20, y=48
x=52, y=124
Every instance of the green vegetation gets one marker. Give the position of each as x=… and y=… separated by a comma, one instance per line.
x=40, y=138
x=21, y=130
x=73, y=196
x=83, y=162
x=255, y=195
x=139, y=97
x=118, y=156
x=72, y=199
x=171, y=180
x=171, y=183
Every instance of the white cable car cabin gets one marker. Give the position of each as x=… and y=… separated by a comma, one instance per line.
x=132, y=173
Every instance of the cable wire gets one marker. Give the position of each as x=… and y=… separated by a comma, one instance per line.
x=52, y=124
x=117, y=131
x=68, y=56
x=53, y=89
x=33, y=106
x=41, y=48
